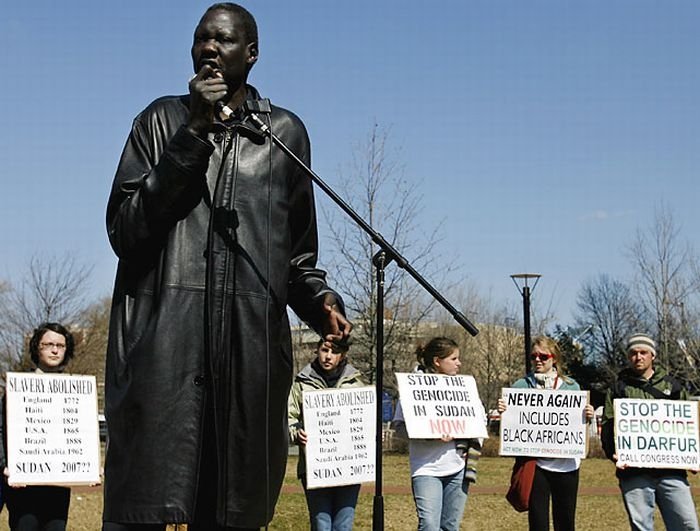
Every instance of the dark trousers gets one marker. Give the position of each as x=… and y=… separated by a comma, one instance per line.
x=37, y=508
x=562, y=488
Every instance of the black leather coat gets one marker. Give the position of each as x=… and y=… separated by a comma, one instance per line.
x=214, y=239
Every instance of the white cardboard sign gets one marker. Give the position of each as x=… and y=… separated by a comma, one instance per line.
x=434, y=405
x=544, y=423
x=52, y=429
x=340, y=425
x=657, y=433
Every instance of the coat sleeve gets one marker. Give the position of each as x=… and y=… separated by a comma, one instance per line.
x=307, y=283
x=607, y=433
x=159, y=180
x=294, y=419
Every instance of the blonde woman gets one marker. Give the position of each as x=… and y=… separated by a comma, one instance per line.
x=555, y=478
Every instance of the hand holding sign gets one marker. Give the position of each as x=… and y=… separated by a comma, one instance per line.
x=543, y=423
x=52, y=431
x=656, y=433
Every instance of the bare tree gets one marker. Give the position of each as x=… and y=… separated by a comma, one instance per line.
x=377, y=190
x=668, y=288
x=91, y=331
x=495, y=356
x=54, y=289
x=609, y=307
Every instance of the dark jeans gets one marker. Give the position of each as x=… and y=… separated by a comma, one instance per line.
x=562, y=487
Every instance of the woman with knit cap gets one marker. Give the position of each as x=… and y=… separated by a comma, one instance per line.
x=554, y=477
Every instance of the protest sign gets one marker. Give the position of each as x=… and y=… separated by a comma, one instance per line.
x=434, y=405
x=656, y=433
x=340, y=425
x=52, y=429
x=544, y=423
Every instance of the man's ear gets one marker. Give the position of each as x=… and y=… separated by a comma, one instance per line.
x=252, y=53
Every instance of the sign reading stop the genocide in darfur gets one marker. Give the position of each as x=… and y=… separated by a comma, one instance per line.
x=434, y=405
x=656, y=433
x=544, y=423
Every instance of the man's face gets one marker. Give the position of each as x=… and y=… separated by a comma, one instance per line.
x=640, y=359
x=220, y=42
x=328, y=359
x=52, y=351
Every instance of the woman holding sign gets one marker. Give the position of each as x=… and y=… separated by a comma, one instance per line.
x=330, y=508
x=441, y=469
x=41, y=508
x=554, y=477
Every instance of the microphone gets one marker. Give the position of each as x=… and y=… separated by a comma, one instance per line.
x=252, y=107
x=224, y=110
x=249, y=107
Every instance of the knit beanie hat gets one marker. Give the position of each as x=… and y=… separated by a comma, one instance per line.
x=641, y=340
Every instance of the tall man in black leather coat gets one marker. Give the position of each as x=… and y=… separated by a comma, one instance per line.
x=215, y=231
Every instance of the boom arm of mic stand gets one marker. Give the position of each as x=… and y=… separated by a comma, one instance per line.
x=392, y=254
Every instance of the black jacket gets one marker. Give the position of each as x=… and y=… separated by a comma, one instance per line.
x=214, y=239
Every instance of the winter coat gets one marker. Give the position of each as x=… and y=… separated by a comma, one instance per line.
x=309, y=379
x=630, y=385
x=567, y=384
x=214, y=238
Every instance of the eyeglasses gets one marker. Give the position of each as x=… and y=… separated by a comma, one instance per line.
x=49, y=346
x=542, y=356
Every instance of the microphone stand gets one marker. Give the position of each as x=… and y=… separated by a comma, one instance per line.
x=381, y=259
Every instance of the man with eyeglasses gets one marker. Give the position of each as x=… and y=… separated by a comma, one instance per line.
x=42, y=506
x=643, y=488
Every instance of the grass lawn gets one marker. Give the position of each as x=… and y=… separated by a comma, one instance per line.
x=483, y=512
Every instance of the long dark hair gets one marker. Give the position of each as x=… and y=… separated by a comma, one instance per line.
x=438, y=347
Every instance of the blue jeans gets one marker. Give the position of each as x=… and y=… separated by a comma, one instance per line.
x=440, y=501
x=332, y=508
x=670, y=491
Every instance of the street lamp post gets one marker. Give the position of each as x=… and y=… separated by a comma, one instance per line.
x=522, y=282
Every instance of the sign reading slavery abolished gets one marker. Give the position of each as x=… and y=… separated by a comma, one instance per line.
x=544, y=423
x=340, y=425
x=657, y=433
x=434, y=405
x=52, y=429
